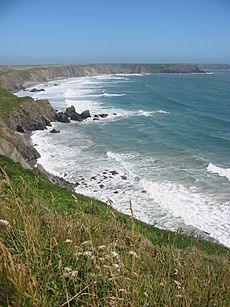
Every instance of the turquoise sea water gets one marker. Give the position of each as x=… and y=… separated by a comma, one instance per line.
x=167, y=136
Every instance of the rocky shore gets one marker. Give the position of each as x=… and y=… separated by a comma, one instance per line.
x=17, y=125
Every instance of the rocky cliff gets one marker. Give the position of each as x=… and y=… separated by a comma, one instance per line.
x=32, y=115
x=29, y=115
x=16, y=77
x=16, y=147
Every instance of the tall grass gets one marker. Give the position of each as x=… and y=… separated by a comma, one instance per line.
x=81, y=257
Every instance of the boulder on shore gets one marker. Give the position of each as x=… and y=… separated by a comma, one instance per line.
x=54, y=131
x=76, y=116
x=85, y=114
x=35, y=90
x=103, y=115
x=61, y=117
x=70, y=111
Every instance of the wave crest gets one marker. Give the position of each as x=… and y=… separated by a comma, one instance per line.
x=222, y=172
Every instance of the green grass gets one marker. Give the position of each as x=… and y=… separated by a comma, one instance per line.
x=10, y=102
x=64, y=249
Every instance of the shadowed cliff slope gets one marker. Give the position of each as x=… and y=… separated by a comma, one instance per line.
x=24, y=115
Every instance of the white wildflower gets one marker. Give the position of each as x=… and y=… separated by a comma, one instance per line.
x=86, y=242
x=116, y=266
x=134, y=254
x=88, y=254
x=114, y=254
x=100, y=247
x=67, y=269
x=68, y=272
x=101, y=259
x=68, y=241
x=5, y=223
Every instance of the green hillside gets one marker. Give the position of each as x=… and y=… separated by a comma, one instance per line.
x=9, y=102
x=64, y=249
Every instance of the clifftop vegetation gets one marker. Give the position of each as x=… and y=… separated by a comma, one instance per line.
x=10, y=102
x=59, y=248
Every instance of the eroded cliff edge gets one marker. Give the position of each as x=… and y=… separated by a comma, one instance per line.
x=26, y=116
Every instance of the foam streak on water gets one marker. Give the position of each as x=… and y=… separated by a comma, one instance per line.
x=155, y=147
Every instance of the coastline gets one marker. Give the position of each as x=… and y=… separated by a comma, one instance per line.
x=62, y=181
x=60, y=238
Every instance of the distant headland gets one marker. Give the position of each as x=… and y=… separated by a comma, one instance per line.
x=18, y=76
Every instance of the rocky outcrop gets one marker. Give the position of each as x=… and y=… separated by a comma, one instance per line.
x=76, y=116
x=28, y=116
x=15, y=146
x=85, y=114
x=54, y=131
x=70, y=111
x=62, y=118
x=31, y=115
x=73, y=115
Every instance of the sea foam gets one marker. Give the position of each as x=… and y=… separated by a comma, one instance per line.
x=223, y=172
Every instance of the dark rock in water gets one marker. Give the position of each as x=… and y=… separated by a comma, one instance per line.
x=55, y=84
x=114, y=113
x=70, y=111
x=77, y=184
x=101, y=186
x=54, y=131
x=76, y=117
x=105, y=177
x=124, y=177
x=104, y=172
x=35, y=90
x=93, y=178
x=103, y=115
x=95, y=118
x=61, y=117
x=85, y=114
x=115, y=192
x=143, y=191
x=65, y=175
x=20, y=129
x=113, y=173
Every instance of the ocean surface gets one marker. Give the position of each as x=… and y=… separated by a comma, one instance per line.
x=167, y=137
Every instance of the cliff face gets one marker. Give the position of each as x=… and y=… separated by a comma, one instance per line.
x=28, y=116
x=17, y=77
x=33, y=115
x=16, y=147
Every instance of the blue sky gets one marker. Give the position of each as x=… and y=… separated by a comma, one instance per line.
x=90, y=31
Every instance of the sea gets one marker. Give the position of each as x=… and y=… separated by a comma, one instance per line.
x=164, y=147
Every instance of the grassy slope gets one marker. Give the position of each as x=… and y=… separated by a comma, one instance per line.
x=62, y=247
x=9, y=102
